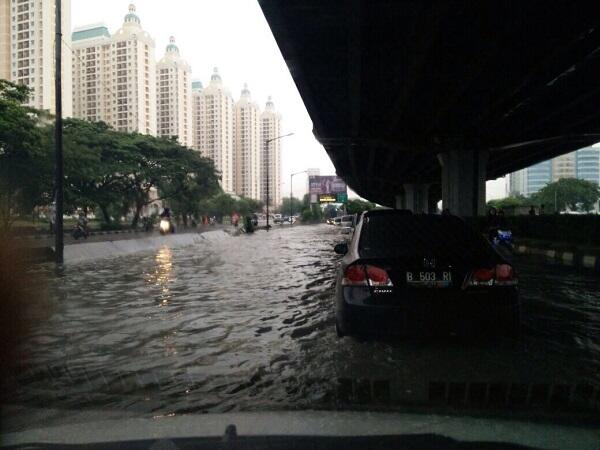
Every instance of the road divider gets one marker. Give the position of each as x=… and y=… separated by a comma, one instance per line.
x=577, y=257
x=90, y=251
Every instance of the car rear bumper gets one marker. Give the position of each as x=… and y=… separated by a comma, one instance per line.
x=476, y=314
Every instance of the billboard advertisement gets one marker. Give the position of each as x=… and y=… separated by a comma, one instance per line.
x=326, y=184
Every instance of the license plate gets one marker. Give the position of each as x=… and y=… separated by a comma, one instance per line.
x=427, y=278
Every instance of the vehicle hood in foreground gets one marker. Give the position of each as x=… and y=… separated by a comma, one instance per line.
x=329, y=429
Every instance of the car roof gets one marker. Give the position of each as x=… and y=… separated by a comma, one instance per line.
x=388, y=212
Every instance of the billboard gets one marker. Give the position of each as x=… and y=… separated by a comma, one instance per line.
x=327, y=184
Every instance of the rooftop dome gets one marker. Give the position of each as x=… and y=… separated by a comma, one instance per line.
x=172, y=48
x=245, y=91
x=132, y=17
x=215, y=76
x=270, y=104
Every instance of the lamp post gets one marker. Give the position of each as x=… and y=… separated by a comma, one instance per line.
x=267, y=142
x=58, y=137
x=291, y=194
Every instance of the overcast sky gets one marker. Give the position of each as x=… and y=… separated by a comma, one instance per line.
x=234, y=36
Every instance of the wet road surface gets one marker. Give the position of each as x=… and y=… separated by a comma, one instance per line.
x=247, y=323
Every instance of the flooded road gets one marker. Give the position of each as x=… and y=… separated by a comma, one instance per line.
x=247, y=323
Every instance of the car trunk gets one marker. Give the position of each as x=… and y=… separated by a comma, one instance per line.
x=426, y=257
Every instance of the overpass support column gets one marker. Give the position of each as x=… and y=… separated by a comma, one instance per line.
x=415, y=197
x=463, y=182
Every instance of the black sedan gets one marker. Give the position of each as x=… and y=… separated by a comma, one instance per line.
x=423, y=274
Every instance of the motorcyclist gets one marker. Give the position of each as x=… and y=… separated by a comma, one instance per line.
x=82, y=222
x=81, y=228
x=166, y=215
x=248, y=224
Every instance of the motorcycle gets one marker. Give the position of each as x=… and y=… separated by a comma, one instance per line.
x=80, y=231
x=166, y=226
x=504, y=238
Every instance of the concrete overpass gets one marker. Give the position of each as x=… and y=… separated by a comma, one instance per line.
x=415, y=101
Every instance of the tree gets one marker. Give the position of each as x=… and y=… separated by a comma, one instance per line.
x=509, y=202
x=103, y=168
x=25, y=173
x=220, y=205
x=255, y=205
x=568, y=192
x=357, y=206
x=312, y=214
x=95, y=166
x=296, y=205
x=191, y=178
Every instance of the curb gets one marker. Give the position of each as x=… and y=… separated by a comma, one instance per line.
x=575, y=259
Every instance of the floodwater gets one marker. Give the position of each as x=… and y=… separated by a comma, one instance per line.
x=247, y=323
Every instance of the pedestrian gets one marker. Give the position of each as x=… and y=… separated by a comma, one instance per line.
x=542, y=211
x=501, y=219
x=532, y=211
x=492, y=223
x=52, y=216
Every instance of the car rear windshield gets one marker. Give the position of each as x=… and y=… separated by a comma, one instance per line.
x=393, y=235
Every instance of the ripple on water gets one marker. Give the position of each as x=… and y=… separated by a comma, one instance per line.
x=247, y=323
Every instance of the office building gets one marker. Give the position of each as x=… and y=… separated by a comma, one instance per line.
x=246, y=155
x=516, y=182
x=583, y=164
x=270, y=127
x=174, y=96
x=212, y=118
x=563, y=166
x=27, y=34
x=587, y=164
x=114, y=76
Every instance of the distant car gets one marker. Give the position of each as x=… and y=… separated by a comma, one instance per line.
x=422, y=274
x=348, y=221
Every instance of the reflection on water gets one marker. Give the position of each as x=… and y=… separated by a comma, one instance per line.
x=247, y=323
x=162, y=275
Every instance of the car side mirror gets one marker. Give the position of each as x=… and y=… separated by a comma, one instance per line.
x=341, y=249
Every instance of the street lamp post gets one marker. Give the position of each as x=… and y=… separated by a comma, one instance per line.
x=291, y=194
x=267, y=142
x=58, y=137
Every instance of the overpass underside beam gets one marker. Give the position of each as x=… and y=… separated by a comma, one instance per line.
x=463, y=182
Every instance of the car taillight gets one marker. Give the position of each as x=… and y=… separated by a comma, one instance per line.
x=355, y=276
x=501, y=275
x=377, y=276
x=366, y=275
x=483, y=275
x=505, y=274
